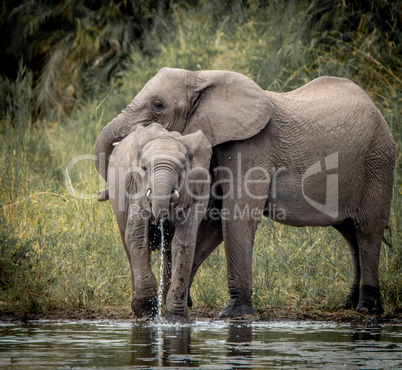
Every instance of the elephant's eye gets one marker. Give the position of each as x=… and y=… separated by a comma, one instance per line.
x=144, y=168
x=158, y=105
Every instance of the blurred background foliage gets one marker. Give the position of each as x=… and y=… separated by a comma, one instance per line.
x=74, y=48
x=69, y=66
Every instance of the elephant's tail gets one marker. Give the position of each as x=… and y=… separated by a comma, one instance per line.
x=389, y=243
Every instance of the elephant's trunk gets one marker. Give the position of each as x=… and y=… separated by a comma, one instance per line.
x=113, y=132
x=164, y=194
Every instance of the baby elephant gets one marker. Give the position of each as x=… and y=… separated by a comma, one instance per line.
x=160, y=177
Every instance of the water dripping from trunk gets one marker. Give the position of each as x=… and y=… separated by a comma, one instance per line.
x=160, y=289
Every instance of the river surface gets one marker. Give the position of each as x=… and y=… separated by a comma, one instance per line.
x=204, y=344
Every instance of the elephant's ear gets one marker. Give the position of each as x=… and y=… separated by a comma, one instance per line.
x=227, y=106
x=200, y=152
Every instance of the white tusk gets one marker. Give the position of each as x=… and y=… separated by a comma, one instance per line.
x=176, y=192
x=148, y=192
x=116, y=143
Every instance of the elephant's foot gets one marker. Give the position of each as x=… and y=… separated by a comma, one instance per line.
x=144, y=307
x=370, y=301
x=175, y=318
x=352, y=299
x=237, y=308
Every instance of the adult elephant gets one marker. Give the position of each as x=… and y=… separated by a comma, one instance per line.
x=321, y=155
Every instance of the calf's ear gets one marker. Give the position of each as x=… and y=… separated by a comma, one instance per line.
x=200, y=152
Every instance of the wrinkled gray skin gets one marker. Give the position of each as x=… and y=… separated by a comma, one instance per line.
x=156, y=176
x=329, y=120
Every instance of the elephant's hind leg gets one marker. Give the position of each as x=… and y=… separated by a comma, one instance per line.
x=369, y=240
x=370, y=224
x=347, y=229
x=373, y=218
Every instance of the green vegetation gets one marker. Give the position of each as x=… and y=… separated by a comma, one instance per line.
x=75, y=47
x=58, y=251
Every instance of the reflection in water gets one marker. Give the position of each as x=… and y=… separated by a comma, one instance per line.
x=176, y=347
x=141, y=343
x=167, y=345
x=367, y=334
x=216, y=344
x=239, y=340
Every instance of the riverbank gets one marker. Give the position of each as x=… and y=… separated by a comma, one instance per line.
x=284, y=314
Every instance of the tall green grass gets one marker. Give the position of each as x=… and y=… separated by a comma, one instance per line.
x=60, y=251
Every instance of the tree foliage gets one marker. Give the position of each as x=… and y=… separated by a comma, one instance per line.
x=74, y=47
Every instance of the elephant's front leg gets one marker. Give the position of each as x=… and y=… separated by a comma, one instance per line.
x=144, y=301
x=238, y=235
x=183, y=247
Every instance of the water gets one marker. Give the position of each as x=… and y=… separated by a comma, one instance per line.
x=213, y=345
x=160, y=288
